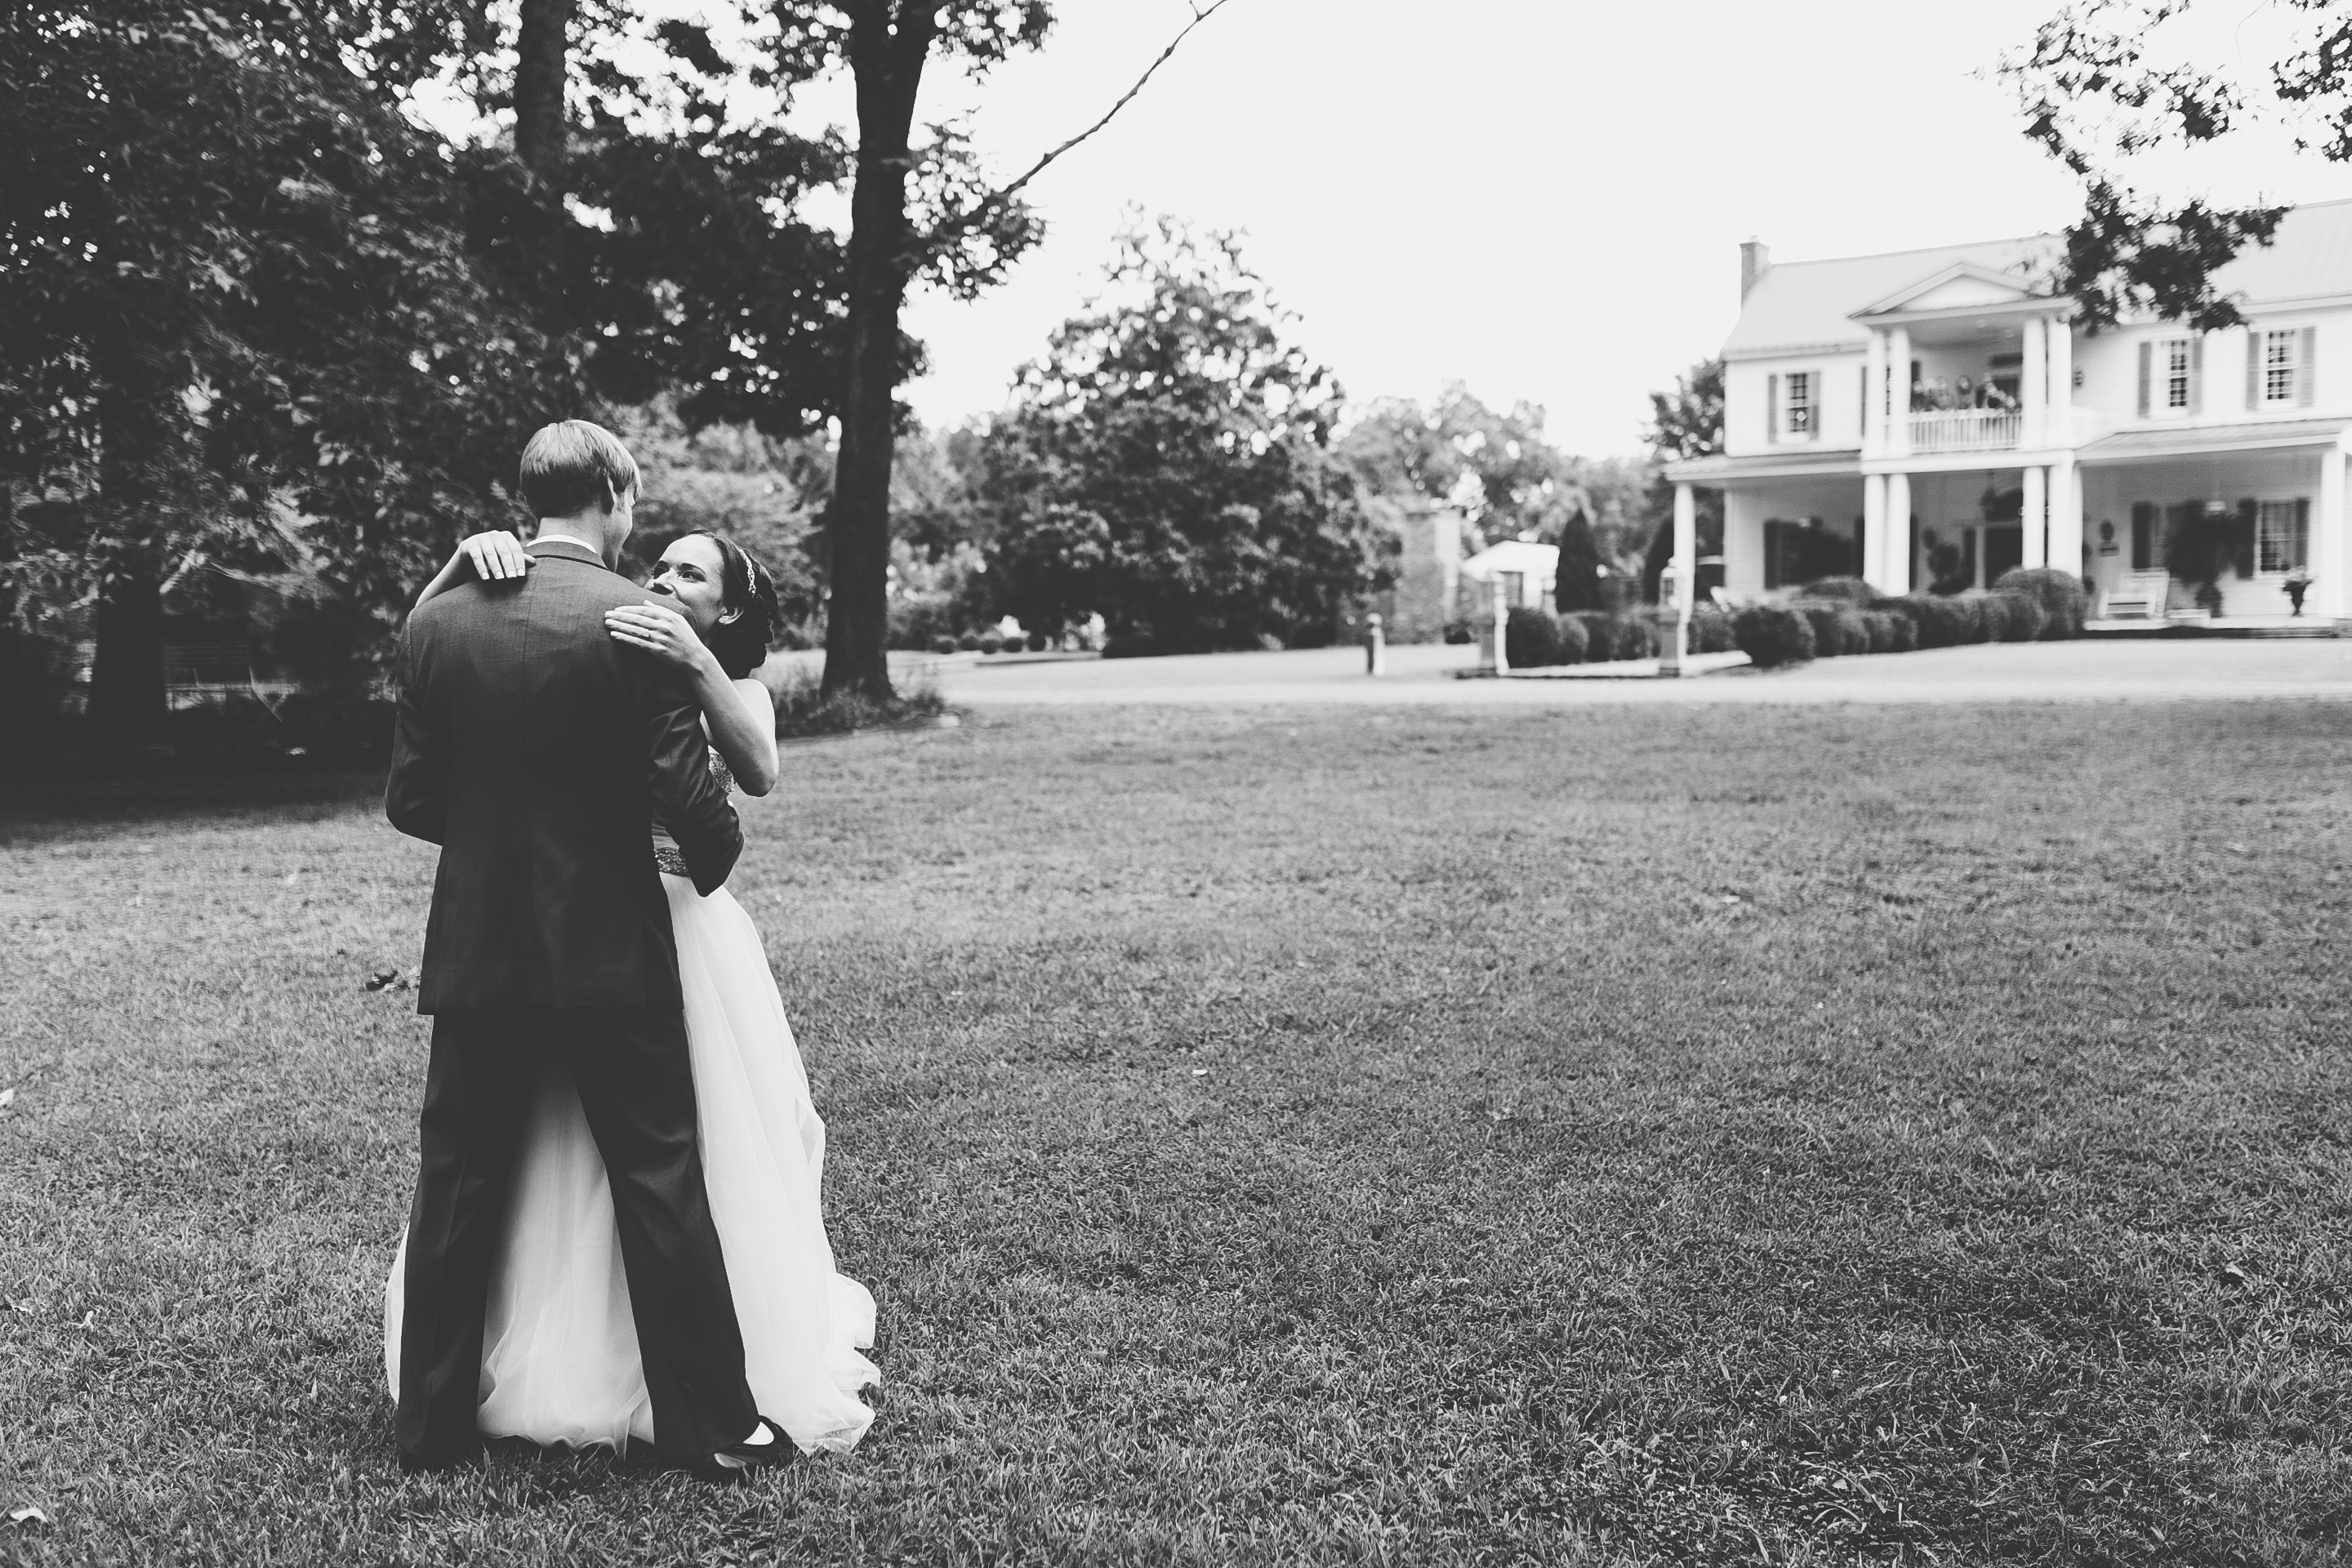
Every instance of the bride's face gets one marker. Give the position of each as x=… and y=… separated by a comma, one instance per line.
x=691, y=577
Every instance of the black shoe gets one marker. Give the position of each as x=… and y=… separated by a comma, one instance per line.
x=738, y=1461
x=437, y=1461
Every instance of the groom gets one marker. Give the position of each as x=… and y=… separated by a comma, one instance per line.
x=537, y=752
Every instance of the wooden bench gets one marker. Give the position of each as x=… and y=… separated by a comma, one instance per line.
x=2141, y=595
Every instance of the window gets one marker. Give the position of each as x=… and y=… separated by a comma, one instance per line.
x=2278, y=365
x=2282, y=536
x=2143, y=536
x=2174, y=355
x=1801, y=403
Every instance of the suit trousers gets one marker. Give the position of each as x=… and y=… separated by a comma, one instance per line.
x=636, y=1086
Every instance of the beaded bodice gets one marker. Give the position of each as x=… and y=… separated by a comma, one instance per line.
x=666, y=855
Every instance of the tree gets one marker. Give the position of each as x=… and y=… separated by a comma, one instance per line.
x=237, y=284
x=1168, y=466
x=914, y=213
x=1685, y=423
x=1500, y=468
x=2097, y=88
x=1576, y=586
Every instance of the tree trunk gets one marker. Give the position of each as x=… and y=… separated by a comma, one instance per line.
x=542, y=49
x=126, y=679
x=542, y=141
x=888, y=67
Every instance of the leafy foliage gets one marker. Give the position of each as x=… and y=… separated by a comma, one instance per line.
x=1773, y=635
x=1685, y=423
x=1167, y=467
x=2098, y=85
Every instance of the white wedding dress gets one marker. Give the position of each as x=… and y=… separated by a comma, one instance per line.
x=559, y=1349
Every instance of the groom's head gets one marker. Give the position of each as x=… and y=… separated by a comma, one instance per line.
x=579, y=481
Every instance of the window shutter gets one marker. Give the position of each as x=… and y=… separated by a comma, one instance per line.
x=2197, y=374
x=2147, y=364
x=1772, y=407
x=2306, y=366
x=2253, y=369
x=1864, y=405
x=2300, y=555
x=2143, y=535
x=2242, y=539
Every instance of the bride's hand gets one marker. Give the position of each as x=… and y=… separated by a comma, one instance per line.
x=661, y=631
x=496, y=555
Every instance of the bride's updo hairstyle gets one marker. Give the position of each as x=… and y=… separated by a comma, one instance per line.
x=740, y=645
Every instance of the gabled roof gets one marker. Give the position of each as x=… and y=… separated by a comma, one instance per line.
x=1962, y=283
x=1514, y=555
x=1807, y=305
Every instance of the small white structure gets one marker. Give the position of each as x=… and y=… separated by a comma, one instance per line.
x=1932, y=417
x=1528, y=572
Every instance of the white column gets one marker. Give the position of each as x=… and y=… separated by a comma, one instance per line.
x=2033, y=384
x=1897, y=532
x=1898, y=367
x=2060, y=417
x=1874, y=396
x=2036, y=519
x=1676, y=633
x=1875, y=531
x=2330, y=546
x=2066, y=515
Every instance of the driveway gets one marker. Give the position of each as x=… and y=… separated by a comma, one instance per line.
x=2095, y=671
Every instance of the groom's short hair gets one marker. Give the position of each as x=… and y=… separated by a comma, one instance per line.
x=568, y=465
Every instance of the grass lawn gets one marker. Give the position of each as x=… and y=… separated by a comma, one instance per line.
x=1728, y=1134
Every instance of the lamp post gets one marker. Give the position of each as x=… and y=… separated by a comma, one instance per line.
x=1376, y=647
x=1674, y=624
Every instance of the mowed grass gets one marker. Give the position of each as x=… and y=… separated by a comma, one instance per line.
x=1712, y=1135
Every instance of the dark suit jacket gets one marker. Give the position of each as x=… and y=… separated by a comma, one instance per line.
x=537, y=751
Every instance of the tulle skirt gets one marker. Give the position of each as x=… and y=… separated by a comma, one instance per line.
x=559, y=1349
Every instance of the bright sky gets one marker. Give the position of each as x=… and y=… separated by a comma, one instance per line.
x=1542, y=199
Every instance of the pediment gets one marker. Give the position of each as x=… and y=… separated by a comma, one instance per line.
x=1960, y=286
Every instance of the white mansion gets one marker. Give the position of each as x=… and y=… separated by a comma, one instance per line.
x=2026, y=439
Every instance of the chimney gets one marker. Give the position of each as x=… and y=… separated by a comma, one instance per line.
x=1755, y=261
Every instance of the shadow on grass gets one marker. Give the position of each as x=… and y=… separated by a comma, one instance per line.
x=34, y=810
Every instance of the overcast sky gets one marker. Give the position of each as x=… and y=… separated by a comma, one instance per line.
x=1542, y=198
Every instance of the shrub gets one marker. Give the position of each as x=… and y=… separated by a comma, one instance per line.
x=1840, y=591
x=2021, y=617
x=968, y=642
x=1710, y=629
x=1984, y=619
x=1878, y=635
x=1039, y=642
x=915, y=621
x=1458, y=632
x=1600, y=634
x=1635, y=635
x=1127, y=645
x=2065, y=606
x=1773, y=635
x=1837, y=629
x=990, y=643
x=943, y=644
x=1530, y=639
x=1942, y=622
x=1574, y=642
x=1902, y=632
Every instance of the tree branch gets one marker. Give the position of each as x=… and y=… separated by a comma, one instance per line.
x=996, y=200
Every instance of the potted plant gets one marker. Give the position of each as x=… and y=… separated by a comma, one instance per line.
x=2299, y=583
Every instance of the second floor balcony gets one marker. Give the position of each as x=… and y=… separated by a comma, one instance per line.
x=1966, y=429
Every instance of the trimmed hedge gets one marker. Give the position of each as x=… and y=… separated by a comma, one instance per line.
x=1837, y=629
x=1710, y=629
x=1530, y=639
x=1573, y=644
x=2020, y=615
x=2064, y=604
x=1773, y=635
x=1840, y=591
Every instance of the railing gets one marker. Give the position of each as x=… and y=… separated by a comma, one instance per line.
x=1966, y=431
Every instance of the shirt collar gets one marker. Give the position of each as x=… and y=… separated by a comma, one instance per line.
x=570, y=549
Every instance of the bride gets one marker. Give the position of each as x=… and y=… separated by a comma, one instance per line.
x=559, y=1349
